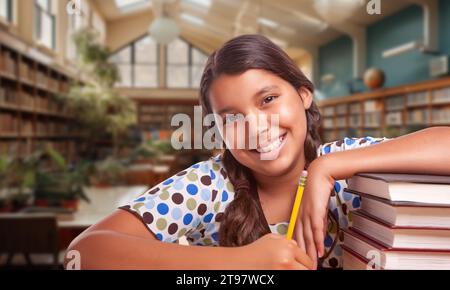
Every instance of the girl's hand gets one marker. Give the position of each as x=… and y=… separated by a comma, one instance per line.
x=311, y=223
x=275, y=252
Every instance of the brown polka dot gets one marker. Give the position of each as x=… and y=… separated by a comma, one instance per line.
x=173, y=228
x=201, y=209
x=339, y=143
x=341, y=236
x=333, y=262
x=202, y=232
x=214, y=194
x=154, y=190
x=223, y=172
x=177, y=198
x=362, y=141
x=147, y=217
x=206, y=180
x=344, y=209
x=181, y=173
x=219, y=217
x=126, y=207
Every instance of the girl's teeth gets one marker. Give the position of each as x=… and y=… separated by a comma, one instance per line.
x=274, y=145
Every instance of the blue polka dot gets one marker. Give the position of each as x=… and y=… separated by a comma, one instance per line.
x=163, y=208
x=197, y=222
x=208, y=218
x=159, y=237
x=212, y=174
x=168, y=181
x=140, y=199
x=178, y=185
x=374, y=142
x=150, y=204
x=215, y=236
x=335, y=213
x=356, y=203
x=220, y=183
x=206, y=194
x=196, y=236
x=196, y=165
x=177, y=213
x=204, y=168
x=343, y=223
x=328, y=241
x=187, y=219
x=338, y=250
x=349, y=141
x=192, y=189
x=337, y=186
x=224, y=196
x=210, y=227
x=327, y=149
x=347, y=196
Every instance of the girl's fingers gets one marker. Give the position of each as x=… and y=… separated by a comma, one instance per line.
x=298, y=266
x=303, y=258
x=317, y=229
x=309, y=241
x=299, y=236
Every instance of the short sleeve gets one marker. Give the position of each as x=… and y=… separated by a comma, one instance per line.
x=179, y=206
x=348, y=143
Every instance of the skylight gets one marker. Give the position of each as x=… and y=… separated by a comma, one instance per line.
x=131, y=5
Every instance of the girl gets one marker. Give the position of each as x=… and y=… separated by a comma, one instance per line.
x=238, y=203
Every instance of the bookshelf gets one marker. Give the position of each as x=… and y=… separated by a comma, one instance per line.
x=387, y=111
x=30, y=114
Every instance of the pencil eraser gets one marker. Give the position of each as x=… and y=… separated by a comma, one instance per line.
x=304, y=173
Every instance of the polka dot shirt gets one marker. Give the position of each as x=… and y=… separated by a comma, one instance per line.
x=192, y=202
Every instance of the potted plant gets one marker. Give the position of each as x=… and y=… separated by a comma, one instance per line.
x=108, y=172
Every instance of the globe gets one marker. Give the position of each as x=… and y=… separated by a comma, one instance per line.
x=374, y=78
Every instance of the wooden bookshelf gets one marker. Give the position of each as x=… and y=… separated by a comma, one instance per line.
x=388, y=111
x=30, y=114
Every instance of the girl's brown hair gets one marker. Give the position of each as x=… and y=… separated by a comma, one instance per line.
x=243, y=220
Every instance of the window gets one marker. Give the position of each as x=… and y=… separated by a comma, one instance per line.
x=6, y=10
x=76, y=21
x=138, y=63
x=185, y=65
x=45, y=23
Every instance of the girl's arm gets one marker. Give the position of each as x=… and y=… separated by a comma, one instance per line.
x=426, y=152
x=121, y=241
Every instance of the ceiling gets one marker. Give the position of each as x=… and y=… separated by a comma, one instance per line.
x=294, y=24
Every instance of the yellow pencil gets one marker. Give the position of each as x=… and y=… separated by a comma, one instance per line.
x=295, y=209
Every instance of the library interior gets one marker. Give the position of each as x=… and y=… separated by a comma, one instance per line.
x=89, y=90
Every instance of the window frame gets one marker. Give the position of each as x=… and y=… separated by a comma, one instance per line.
x=38, y=21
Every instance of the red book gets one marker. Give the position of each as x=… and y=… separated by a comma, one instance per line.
x=361, y=252
x=405, y=214
x=392, y=236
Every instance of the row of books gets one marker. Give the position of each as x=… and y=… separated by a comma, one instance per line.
x=403, y=222
x=22, y=148
x=9, y=122
x=8, y=63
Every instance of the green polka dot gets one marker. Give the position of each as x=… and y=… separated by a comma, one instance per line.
x=230, y=186
x=217, y=206
x=207, y=241
x=164, y=195
x=282, y=229
x=181, y=232
x=216, y=167
x=161, y=224
x=191, y=204
x=137, y=206
x=192, y=176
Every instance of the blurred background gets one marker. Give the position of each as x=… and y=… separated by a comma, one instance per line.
x=88, y=89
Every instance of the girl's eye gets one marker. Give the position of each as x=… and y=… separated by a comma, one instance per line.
x=268, y=99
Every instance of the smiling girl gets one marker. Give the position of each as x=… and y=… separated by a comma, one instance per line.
x=233, y=209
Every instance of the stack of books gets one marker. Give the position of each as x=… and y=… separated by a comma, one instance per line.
x=403, y=222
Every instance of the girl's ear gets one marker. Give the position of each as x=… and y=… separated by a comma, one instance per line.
x=307, y=97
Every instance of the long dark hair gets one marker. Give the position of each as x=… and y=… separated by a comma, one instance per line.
x=243, y=221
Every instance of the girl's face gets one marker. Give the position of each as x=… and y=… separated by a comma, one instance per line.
x=262, y=98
